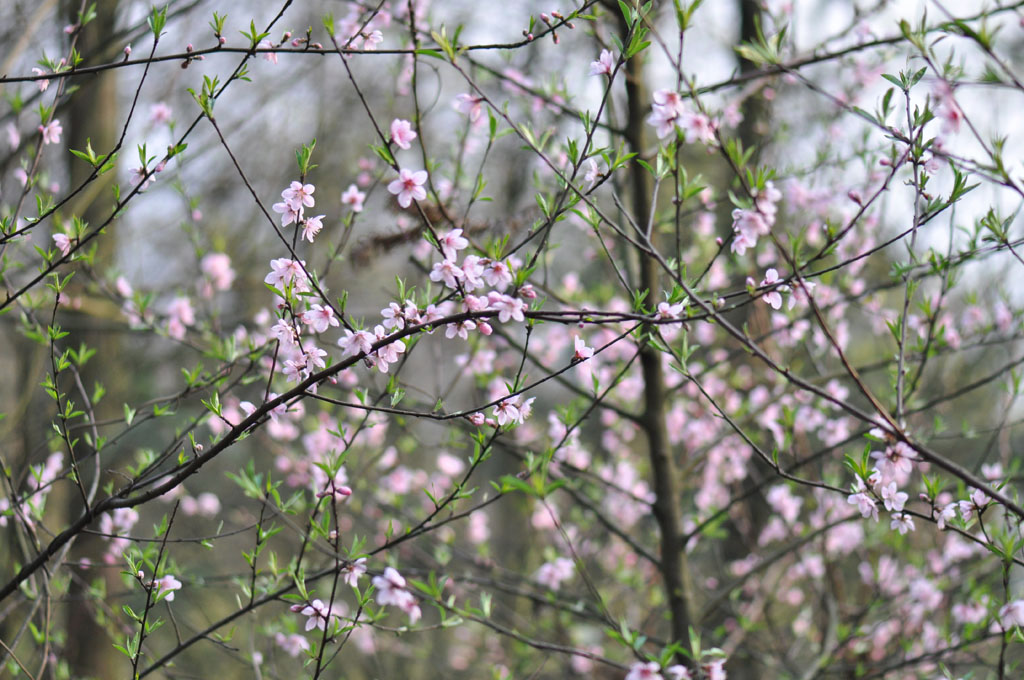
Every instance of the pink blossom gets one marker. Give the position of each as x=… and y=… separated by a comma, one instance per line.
x=902, y=523
x=311, y=227
x=461, y=329
x=663, y=119
x=181, y=310
x=782, y=501
x=269, y=56
x=470, y=105
x=285, y=272
x=285, y=333
x=506, y=411
x=387, y=354
x=974, y=505
x=159, y=113
x=581, y=351
x=473, y=271
x=666, y=310
x=43, y=83
x=13, y=136
x=943, y=516
x=1012, y=614
x=316, y=613
x=299, y=194
x=141, y=177
x=649, y=670
x=498, y=275
x=750, y=224
x=319, y=318
x=409, y=187
x=358, y=342
x=604, y=64
x=402, y=133
x=293, y=644
x=594, y=173
x=51, y=132
x=665, y=112
x=393, y=315
x=509, y=411
x=714, y=670
x=551, y=574
x=865, y=504
x=700, y=128
x=289, y=213
x=892, y=497
x=353, y=197
x=679, y=672
x=63, y=243
x=353, y=570
x=773, y=297
x=372, y=39
x=217, y=268
x=168, y=584
x=452, y=242
x=205, y=505
x=390, y=590
x=447, y=271
x=508, y=308
x=895, y=461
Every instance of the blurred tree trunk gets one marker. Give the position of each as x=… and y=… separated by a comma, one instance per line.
x=92, y=117
x=748, y=518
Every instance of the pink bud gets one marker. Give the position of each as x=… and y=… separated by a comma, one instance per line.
x=127, y=50
x=222, y=40
x=718, y=240
x=287, y=35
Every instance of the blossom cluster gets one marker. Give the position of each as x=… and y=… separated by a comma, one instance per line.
x=751, y=223
x=670, y=112
x=297, y=197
